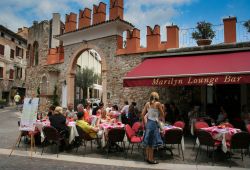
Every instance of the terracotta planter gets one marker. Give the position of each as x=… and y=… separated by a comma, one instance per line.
x=201, y=42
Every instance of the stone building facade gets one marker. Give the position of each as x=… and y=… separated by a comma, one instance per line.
x=12, y=63
x=41, y=77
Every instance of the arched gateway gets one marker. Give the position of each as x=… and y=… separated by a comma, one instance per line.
x=103, y=39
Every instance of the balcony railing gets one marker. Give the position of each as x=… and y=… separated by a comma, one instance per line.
x=186, y=39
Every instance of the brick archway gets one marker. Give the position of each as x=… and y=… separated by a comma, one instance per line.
x=71, y=71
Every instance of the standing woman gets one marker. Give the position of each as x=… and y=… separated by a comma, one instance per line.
x=151, y=114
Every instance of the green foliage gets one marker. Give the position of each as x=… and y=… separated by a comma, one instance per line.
x=55, y=100
x=204, y=31
x=247, y=25
x=85, y=78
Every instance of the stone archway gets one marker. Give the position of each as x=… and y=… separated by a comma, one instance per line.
x=71, y=71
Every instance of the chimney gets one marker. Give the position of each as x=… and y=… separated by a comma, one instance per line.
x=99, y=13
x=56, y=25
x=70, y=22
x=153, y=38
x=172, y=36
x=230, y=29
x=116, y=9
x=133, y=40
x=84, y=18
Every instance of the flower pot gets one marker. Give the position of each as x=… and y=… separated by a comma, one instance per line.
x=201, y=42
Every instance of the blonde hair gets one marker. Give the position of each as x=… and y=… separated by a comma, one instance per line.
x=58, y=110
x=154, y=97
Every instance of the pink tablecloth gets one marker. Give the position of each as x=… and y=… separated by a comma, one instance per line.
x=222, y=134
x=106, y=127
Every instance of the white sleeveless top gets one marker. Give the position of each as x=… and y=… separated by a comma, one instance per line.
x=153, y=114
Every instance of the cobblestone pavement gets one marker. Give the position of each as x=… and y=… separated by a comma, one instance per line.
x=9, y=133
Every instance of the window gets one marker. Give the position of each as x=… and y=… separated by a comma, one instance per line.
x=1, y=72
x=18, y=72
x=12, y=53
x=28, y=54
x=2, y=34
x=35, y=53
x=11, y=74
x=18, y=51
x=13, y=39
x=1, y=49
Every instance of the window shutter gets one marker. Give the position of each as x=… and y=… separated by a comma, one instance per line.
x=1, y=72
x=12, y=53
x=11, y=74
x=1, y=49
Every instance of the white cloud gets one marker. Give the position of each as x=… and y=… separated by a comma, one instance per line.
x=144, y=13
x=141, y=13
x=11, y=21
x=17, y=13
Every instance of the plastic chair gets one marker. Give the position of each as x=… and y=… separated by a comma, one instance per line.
x=248, y=128
x=115, y=136
x=136, y=126
x=83, y=138
x=51, y=135
x=174, y=136
x=197, y=127
x=132, y=138
x=240, y=141
x=179, y=124
x=206, y=139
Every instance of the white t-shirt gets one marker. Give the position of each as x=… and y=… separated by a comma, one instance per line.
x=125, y=110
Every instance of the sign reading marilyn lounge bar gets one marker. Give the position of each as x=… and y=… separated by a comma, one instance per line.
x=188, y=81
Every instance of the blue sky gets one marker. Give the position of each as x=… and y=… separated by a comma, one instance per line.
x=184, y=13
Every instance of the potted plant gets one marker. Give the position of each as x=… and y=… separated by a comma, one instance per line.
x=204, y=33
x=247, y=25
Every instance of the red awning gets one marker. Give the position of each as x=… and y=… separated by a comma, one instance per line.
x=226, y=68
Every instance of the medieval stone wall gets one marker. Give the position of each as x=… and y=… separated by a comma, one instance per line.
x=37, y=33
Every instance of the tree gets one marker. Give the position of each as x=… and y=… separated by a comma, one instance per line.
x=85, y=78
x=247, y=25
x=55, y=101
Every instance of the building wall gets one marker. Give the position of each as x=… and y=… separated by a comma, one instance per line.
x=39, y=33
x=11, y=41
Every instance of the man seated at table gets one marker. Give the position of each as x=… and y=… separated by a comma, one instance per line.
x=70, y=113
x=93, y=132
x=80, y=108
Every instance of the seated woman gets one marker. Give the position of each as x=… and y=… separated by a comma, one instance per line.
x=106, y=118
x=93, y=132
x=114, y=113
x=70, y=113
x=58, y=121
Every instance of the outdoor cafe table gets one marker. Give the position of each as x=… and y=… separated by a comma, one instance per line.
x=72, y=129
x=221, y=134
x=106, y=127
x=166, y=128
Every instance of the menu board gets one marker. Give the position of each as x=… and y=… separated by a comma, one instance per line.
x=29, y=114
